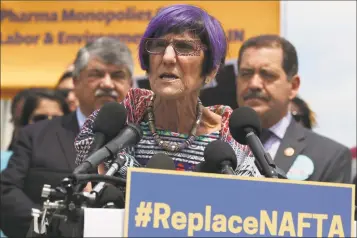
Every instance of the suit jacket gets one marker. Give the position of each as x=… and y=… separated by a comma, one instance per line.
x=305, y=155
x=44, y=153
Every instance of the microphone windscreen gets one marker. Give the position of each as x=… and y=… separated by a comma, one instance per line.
x=216, y=152
x=161, y=161
x=240, y=120
x=110, y=193
x=110, y=120
x=203, y=167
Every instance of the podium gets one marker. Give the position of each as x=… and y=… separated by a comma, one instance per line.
x=113, y=225
x=174, y=203
x=103, y=222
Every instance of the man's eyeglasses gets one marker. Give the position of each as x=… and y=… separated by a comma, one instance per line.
x=41, y=117
x=158, y=46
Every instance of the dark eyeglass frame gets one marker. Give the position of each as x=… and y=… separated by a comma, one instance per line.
x=40, y=117
x=195, y=52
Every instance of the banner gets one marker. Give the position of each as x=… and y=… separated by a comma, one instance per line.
x=165, y=203
x=39, y=39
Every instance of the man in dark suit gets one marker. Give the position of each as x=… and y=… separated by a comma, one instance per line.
x=44, y=152
x=267, y=81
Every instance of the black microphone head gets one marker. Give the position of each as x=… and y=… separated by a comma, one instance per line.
x=203, y=167
x=216, y=152
x=161, y=161
x=243, y=120
x=110, y=120
x=109, y=194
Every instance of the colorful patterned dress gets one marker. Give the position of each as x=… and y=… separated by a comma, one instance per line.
x=136, y=103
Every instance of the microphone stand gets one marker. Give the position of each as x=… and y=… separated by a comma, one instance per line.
x=114, y=167
x=68, y=209
x=263, y=160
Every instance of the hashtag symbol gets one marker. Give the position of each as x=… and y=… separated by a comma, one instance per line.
x=143, y=214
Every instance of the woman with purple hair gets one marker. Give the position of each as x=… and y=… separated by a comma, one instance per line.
x=181, y=50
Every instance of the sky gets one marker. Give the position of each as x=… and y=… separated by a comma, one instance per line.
x=324, y=34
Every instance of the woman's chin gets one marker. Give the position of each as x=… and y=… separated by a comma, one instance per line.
x=168, y=93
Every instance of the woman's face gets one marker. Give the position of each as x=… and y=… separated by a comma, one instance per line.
x=297, y=113
x=174, y=75
x=46, y=109
x=295, y=108
x=67, y=86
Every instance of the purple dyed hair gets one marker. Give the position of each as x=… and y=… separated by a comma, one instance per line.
x=182, y=18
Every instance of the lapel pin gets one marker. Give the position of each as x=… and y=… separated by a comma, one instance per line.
x=289, y=151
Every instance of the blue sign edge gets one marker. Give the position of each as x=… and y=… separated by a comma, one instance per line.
x=132, y=170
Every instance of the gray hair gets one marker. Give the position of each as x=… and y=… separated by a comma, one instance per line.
x=108, y=50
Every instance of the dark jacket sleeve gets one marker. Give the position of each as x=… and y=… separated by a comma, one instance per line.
x=339, y=169
x=15, y=204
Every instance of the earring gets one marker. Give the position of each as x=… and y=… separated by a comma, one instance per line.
x=207, y=80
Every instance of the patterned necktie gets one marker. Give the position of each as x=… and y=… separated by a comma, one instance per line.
x=265, y=135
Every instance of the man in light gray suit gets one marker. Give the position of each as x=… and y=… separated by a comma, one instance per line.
x=267, y=81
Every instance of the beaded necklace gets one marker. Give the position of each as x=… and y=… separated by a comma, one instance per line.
x=173, y=147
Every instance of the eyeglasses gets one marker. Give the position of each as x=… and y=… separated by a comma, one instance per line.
x=40, y=117
x=158, y=46
x=64, y=92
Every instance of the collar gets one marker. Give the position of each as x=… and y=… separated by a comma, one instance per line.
x=281, y=126
x=80, y=117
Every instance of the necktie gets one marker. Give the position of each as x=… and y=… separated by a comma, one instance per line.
x=265, y=135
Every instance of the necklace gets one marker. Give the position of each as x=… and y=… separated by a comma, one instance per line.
x=173, y=147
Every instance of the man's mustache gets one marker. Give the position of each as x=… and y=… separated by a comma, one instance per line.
x=256, y=95
x=109, y=93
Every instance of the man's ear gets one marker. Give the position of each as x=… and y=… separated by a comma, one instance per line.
x=75, y=80
x=295, y=85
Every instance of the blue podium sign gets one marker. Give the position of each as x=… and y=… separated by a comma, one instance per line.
x=173, y=203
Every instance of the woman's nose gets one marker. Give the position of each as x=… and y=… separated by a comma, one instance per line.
x=169, y=55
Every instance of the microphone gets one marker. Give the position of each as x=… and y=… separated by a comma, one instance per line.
x=219, y=156
x=161, y=161
x=204, y=168
x=108, y=123
x=85, y=178
x=245, y=128
x=110, y=197
x=104, y=192
x=130, y=135
x=114, y=167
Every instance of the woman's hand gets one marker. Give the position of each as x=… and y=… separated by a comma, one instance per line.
x=88, y=188
x=101, y=170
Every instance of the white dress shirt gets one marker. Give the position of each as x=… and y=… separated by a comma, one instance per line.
x=81, y=118
x=278, y=130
